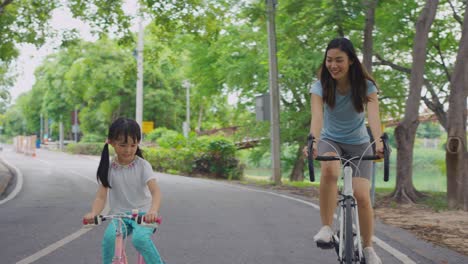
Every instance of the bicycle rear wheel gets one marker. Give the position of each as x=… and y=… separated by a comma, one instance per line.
x=348, y=236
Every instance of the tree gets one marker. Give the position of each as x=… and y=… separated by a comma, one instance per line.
x=456, y=149
x=406, y=130
x=27, y=21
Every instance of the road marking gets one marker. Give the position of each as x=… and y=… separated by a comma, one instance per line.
x=397, y=254
x=19, y=183
x=400, y=256
x=46, y=251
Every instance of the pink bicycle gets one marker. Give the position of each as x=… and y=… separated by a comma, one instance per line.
x=119, y=254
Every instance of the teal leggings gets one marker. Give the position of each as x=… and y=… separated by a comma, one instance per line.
x=141, y=240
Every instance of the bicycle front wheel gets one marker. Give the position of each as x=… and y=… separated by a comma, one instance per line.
x=348, y=232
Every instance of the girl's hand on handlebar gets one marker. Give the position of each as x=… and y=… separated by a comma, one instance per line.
x=150, y=217
x=88, y=218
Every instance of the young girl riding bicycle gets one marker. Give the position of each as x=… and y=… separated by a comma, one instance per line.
x=130, y=183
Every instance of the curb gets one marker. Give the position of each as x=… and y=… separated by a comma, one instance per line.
x=15, y=182
x=6, y=176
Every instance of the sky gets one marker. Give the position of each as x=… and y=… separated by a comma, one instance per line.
x=31, y=57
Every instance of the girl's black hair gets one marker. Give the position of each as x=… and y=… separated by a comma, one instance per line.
x=120, y=128
x=358, y=76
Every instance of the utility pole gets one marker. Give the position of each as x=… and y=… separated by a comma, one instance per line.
x=186, y=125
x=139, y=91
x=61, y=134
x=41, y=133
x=274, y=92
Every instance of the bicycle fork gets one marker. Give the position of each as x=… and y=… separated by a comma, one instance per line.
x=119, y=255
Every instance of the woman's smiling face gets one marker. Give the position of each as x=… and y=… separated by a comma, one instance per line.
x=337, y=63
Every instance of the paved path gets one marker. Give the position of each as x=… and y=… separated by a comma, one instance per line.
x=203, y=221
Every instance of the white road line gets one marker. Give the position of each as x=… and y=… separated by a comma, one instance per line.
x=397, y=254
x=46, y=251
x=19, y=183
x=400, y=256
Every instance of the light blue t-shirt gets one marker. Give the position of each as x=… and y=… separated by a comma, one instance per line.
x=129, y=186
x=343, y=123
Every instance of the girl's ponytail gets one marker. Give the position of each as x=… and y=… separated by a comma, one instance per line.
x=103, y=169
x=139, y=153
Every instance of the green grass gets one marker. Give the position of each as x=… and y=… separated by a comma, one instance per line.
x=437, y=201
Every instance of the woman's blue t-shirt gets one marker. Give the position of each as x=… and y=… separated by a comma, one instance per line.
x=343, y=123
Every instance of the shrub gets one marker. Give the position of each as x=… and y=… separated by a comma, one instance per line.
x=156, y=133
x=87, y=148
x=218, y=160
x=93, y=138
x=172, y=139
x=170, y=160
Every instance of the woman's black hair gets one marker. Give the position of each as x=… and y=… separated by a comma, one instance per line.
x=120, y=128
x=358, y=76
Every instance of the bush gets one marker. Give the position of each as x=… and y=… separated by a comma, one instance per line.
x=170, y=160
x=156, y=133
x=218, y=160
x=87, y=148
x=213, y=157
x=172, y=139
x=93, y=138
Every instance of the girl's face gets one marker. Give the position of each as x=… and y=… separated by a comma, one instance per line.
x=337, y=63
x=125, y=150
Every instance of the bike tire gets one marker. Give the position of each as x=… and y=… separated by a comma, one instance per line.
x=348, y=233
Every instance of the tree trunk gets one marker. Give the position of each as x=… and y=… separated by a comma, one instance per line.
x=368, y=30
x=456, y=150
x=200, y=118
x=465, y=177
x=405, y=132
x=297, y=174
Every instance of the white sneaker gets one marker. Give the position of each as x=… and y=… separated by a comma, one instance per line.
x=371, y=256
x=324, y=236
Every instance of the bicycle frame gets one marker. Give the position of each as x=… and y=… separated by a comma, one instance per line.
x=348, y=248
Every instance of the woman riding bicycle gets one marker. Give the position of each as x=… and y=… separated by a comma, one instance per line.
x=338, y=103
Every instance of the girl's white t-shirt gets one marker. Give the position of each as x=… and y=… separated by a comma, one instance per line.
x=129, y=189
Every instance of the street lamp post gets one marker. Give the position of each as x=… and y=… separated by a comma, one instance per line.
x=139, y=91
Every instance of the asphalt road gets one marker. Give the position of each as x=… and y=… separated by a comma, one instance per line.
x=204, y=221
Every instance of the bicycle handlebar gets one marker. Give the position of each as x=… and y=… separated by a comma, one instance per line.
x=139, y=219
x=310, y=158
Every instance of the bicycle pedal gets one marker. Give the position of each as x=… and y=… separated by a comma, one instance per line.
x=325, y=245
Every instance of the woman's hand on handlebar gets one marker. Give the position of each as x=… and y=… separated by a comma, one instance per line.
x=379, y=148
x=305, y=151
